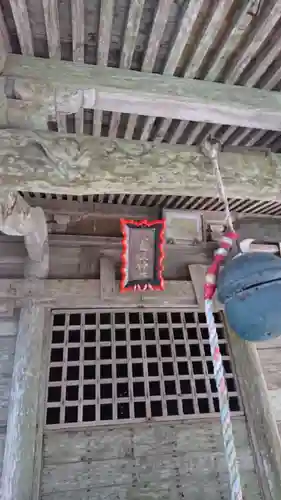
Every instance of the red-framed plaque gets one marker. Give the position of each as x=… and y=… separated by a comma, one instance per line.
x=142, y=255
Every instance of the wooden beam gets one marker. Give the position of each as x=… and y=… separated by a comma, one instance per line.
x=18, y=463
x=77, y=165
x=71, y=293
x=142, y=93
x=77, y=256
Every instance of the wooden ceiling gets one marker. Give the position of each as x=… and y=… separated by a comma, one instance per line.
x=231, y=41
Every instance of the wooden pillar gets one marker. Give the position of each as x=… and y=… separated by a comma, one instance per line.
x=262, y=425
x=18, y=464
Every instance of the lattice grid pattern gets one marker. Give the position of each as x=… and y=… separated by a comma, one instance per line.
x=112, y=367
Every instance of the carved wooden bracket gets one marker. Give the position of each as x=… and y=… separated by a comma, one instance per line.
x=17, y=218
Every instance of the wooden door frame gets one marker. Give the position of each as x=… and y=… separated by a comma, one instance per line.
x=262, y=426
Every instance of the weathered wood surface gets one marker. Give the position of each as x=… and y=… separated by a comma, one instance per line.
x=40, y=423
x=4, y=41
x=22, y=22
x=69, y=293
x=128, y=47
x=7, y=352
x=78, y=256
x=18, y=463
x=107, y=278
x=17, y=218
x=148, y=94
x=270, y=359
x=153, y=45
x=9, y=327
x=50, y=162
x=8, y=332
x=51, y=17
x=263, y=229
x=260, y=418
x=2, y=446
x=161, y=461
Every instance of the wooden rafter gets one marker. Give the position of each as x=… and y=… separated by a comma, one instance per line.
x=264, y=26
x=106, y=18
x=5, y=46
x=39, y=81
x=78, y=40
x=227, y=41
x=22, y=22
x=70, y=164
x=130, y=36
x=151, y=51
x=51, y=17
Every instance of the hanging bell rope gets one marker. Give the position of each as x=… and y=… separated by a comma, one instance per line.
x=211, y=150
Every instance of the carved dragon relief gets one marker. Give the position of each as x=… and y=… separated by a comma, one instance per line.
x=17, y=218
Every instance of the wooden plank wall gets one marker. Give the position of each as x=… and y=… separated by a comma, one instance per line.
x=8, y=333
x=167, y=461
x=270, y=357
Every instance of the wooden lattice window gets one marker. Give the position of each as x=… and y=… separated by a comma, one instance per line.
x=114, y=367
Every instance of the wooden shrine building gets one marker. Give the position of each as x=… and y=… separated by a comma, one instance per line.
x=104, y=107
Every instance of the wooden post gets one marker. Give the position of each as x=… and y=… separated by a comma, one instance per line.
x=259, y=416
x=18, y=464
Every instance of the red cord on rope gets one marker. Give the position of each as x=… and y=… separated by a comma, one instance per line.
x=219, y=256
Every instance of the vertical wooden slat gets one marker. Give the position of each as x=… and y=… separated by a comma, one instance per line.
x=38, y=462
x=114, y=372
x=51, y=16
x=21, y=18
x=98, y=367
x=78, y=35
x=145, y=367
x=107, y=278
x=131, y=33
x=18, y=464
x=175, y=364
x=156, y=34
x=62, y=123
x=160, y=366
x=81, y=369
x=197, y=274
x=105, y=25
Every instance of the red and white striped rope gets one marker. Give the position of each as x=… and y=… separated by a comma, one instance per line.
x=227, y=432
